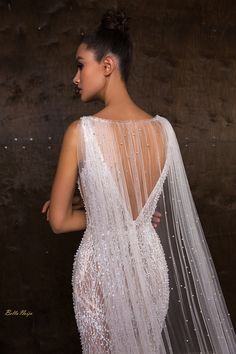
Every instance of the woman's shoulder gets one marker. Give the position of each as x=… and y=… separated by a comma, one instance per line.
x=73, y=126
x=165, y=121
x=71, y=132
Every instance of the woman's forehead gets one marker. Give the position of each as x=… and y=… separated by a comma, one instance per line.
x=84, y=53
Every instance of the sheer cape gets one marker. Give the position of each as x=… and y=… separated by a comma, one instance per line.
x=158, y=289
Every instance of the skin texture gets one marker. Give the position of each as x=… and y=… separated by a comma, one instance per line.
x=100, y=81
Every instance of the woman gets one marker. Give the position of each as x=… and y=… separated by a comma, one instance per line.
x=135, y=289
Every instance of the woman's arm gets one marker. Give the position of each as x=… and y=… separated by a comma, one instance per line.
x=62, y=217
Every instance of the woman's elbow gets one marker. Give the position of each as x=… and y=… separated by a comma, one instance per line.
x=56, y=230
x=56, y=225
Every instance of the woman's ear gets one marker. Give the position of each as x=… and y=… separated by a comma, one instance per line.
x=109, y=65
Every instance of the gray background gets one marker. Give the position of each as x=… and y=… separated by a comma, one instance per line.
x=184, y=69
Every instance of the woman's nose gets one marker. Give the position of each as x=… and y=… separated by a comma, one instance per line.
x=76, y=79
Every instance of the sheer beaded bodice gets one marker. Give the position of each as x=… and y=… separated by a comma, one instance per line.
x=136, y=162
x=135, y=289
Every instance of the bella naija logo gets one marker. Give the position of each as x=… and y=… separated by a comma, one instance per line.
x=14, y=313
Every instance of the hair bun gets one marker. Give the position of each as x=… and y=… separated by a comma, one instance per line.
x=115, y=20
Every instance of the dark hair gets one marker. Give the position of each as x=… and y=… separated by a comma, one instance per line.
x=112, y=35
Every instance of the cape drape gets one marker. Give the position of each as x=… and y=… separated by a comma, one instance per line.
x=157, y=289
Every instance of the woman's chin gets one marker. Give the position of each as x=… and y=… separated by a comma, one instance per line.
x=87, y=98
x=81, y=95
x=83, y=98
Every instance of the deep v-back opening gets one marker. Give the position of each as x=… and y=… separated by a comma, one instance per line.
x=156, y=190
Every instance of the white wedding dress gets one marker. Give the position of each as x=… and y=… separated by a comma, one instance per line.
x=136, y=289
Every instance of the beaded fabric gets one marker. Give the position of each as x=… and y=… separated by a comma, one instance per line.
x=137, y=289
